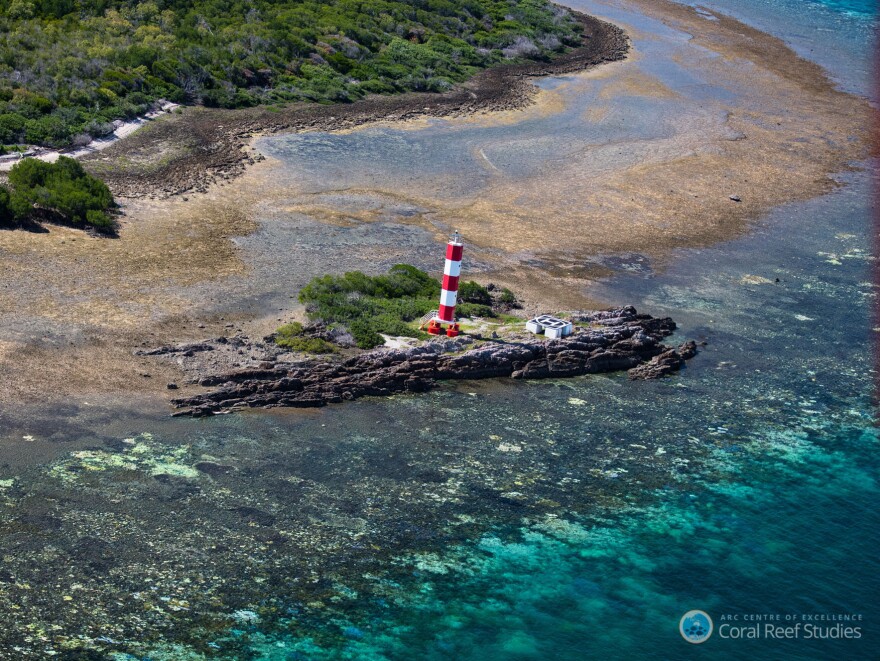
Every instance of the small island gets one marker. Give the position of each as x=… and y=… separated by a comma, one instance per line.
x=215, y=76
x=334, y=357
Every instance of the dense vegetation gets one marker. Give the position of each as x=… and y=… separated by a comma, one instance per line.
x=68, y=68
x=60, y=191
x=369, y=305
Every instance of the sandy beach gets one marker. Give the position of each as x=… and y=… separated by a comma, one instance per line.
x=633, y=158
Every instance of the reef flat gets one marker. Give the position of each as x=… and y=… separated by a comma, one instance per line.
x=608, y=341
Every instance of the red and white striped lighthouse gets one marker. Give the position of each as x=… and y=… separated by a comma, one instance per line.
x=451, y=273
x=445, y=315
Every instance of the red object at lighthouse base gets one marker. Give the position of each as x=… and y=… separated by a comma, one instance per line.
x=435, y=327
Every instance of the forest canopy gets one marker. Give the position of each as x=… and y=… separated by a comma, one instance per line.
x=69, y=68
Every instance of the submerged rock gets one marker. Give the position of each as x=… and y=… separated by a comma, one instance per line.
x=607, y=341
x=665, y=363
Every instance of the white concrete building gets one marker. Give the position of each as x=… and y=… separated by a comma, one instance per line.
x=550, y=326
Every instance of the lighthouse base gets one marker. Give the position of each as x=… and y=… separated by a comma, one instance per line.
x=435, y=327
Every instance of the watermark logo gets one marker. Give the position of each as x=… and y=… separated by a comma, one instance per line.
x=696, y=626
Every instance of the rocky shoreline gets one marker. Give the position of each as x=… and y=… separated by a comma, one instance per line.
x=605, y=341
x=191, y=151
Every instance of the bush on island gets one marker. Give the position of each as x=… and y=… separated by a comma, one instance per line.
x=290, y=336
x=60, y=191
x=472, y=292
x=6, y=216
x=369, y=306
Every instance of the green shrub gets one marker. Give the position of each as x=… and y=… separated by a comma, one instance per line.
x=293, y=329
x=507, y=297
x=472, y=292
x=11, y=128
x=370, y=305
x=306, y=344
x=6, y=215
x=62, y=188
x=99, y=220
x=290, y=336
x=365, y=336
x=474, y=310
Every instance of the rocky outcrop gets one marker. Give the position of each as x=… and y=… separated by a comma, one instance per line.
x=605, y=341
x=665, y=363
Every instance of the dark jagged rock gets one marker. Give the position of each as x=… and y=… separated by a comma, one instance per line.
x=665, y=363
x=186, y=349
x=620, y=339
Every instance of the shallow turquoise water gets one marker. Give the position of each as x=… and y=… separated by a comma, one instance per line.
x=570, y=587
x=838, y=34
x=865, y=7
x=848, y=7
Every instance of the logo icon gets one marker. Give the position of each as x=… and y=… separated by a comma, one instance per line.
x=696, y=627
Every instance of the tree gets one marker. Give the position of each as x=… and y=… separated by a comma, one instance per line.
x=62, y=189
x=11, y=128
